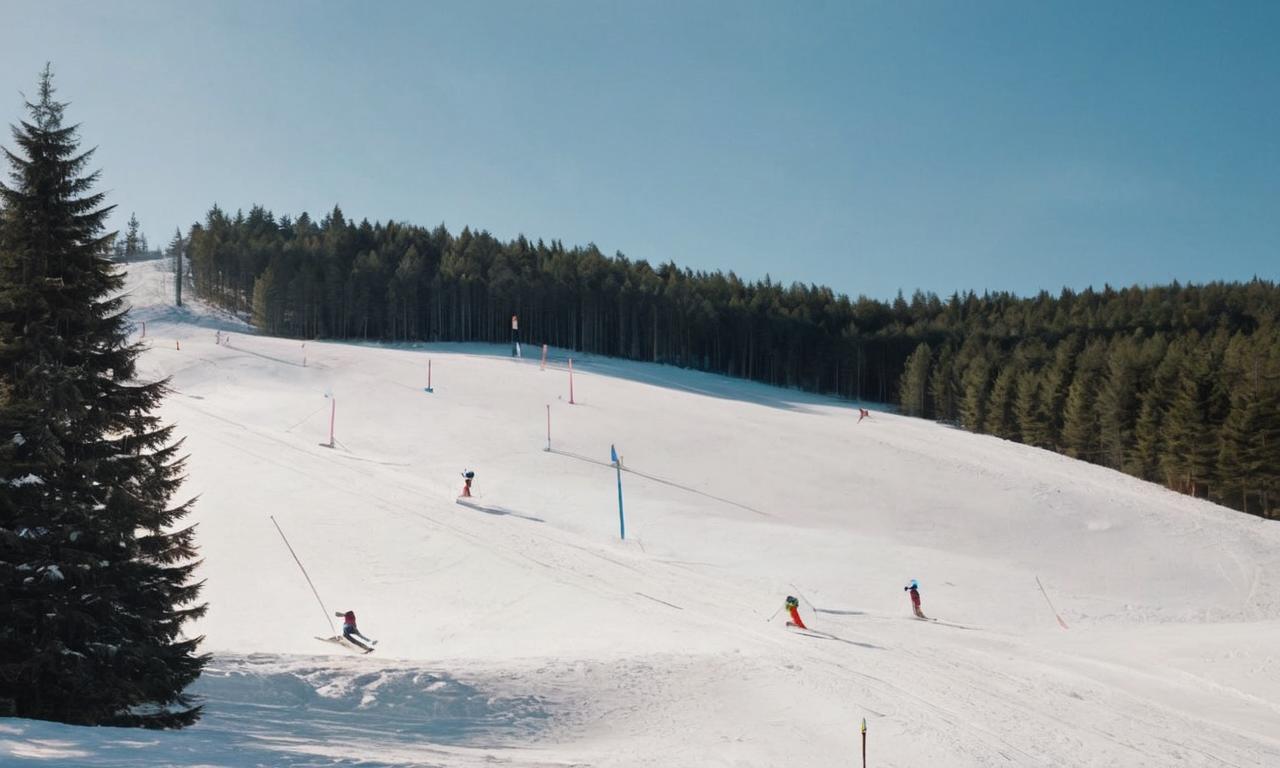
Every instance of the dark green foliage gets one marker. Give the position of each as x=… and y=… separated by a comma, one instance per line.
x=1000, y=364
x=975, y=389
x=914, y=379
x=1150, y=438
x=1191, y=454
x=95, y=572
x=1081, y=426
x=132, y=239
x=1033, y=421
x=1118, y=400
x=1001, y=416
x=1057, y=384
x=177, y=247
x=943, y=387
x=1251, y=432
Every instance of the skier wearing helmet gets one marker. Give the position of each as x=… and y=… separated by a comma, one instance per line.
x=914, y=589
x=793, y=607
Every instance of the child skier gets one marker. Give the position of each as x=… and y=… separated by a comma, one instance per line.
x=793, y=607
x=914, y=589
x=350, y=632
x=467, y=477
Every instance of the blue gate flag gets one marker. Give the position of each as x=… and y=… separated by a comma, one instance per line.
x=617, y=465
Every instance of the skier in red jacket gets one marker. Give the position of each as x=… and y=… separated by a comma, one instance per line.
x=914, y=589
x=467, y=477
x=350, y=632
x=793, y=607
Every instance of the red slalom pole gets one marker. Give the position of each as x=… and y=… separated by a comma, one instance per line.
x=429, y=389
x=864, y=742
x=571, y=381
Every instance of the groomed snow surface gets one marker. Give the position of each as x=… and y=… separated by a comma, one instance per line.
x=520, y=631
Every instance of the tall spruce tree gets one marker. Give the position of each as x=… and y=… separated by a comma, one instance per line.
x=1081, y=427
x=1033, y=421
x=942, y=387
x=132, y=239
x=1192, y=455
x=1118, y=403
x=1056, y=386
x=176, y=246
x=1249, y=454
x=1150, y=443
x=95, y=572
x=912, y=391
x=1001, y=416
x=975, y=388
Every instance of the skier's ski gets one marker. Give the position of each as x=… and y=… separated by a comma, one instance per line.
x=946, y=623
x=806, y=632
x=348, y=644
x=799, y=630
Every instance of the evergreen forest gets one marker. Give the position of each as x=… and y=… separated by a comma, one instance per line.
x=1175, y=384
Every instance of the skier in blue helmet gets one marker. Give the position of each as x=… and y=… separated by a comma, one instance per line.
x=914, y=589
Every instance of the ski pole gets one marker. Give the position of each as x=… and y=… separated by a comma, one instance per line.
x=812, y=607
x=775, y=613
x=304, y=574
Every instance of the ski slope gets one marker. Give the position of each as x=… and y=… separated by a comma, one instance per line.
x=518, y=630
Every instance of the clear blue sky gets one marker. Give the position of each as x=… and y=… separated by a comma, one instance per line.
x=871, y=147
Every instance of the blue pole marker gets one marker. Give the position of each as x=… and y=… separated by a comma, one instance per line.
x=622, y=523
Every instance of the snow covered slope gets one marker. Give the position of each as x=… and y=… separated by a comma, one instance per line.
x=519, y=630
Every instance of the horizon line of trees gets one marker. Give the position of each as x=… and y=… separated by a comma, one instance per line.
x=133, y=245
x=1175, y=384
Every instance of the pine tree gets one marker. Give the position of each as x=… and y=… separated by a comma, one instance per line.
x=1055, y=385
x=1001, y=418
x=942, y=387
x=132, y=240
x=1118, y=403
x=1081, y=429
x=1192, y=448
x=1250, y=437
x=264, y=301
x=174, y=251
x=1241, y=456
x=1033, y=422
x=95, y=575
x=975, y=387
x=1267, y=376
x=912, y=392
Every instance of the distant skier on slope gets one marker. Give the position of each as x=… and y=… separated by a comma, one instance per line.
x=467, y=477
x=914, y=589
x=793, y=607
x=863, y=413
x=350, y=632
